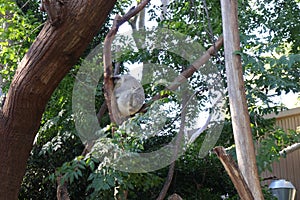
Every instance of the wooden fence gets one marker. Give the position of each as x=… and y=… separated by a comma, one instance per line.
x=289, y=167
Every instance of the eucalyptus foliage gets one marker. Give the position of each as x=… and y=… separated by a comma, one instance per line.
x=270, y=54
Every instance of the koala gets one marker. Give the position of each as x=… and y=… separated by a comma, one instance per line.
x=129, y=94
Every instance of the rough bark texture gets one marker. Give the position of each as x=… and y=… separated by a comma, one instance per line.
x=55, y=51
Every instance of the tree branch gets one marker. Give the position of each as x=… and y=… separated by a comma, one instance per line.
x=114, y=113
x=108, y=72
x=180, y=135
x=62, y=190
x=49, y=59
x=234, y=174
x=188, y=72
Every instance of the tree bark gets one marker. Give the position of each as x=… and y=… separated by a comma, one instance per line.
x=54, y=52
x=62, y=190
x=114, y=113
x=237, y=99
x=234, y=173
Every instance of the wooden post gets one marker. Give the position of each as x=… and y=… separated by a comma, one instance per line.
x=237, y=99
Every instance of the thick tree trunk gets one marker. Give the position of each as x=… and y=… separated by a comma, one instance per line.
x=237, y=99
x=55, y=51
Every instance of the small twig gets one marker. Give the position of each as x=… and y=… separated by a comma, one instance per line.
x=25, y=4
x=210, y=31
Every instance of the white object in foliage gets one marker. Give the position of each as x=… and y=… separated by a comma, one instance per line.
x=129, y=94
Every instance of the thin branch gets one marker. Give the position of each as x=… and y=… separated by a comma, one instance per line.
x=196, y=65
x=142, y=19
x=168, y=181
x=108, y=69
x=200, y=130
x=132, y=12
x=25, y=4
x=101, y=111
x=210, y=32
x=114, y=114
x=188, y=72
